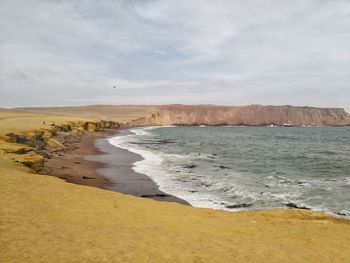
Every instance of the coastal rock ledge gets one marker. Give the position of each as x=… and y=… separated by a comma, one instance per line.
x=22, y=147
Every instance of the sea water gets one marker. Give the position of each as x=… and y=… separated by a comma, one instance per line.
x=240, y=168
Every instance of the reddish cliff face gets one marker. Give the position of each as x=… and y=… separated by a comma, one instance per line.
x=249, y=115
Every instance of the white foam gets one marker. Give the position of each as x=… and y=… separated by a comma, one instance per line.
x=151, y=165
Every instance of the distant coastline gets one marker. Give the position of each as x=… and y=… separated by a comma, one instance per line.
x=178, y=114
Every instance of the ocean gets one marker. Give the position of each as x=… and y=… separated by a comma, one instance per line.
x=247, y=168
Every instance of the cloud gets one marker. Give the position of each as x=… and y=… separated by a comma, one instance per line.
x=222, y=52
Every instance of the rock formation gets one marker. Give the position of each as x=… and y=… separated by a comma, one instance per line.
x=22, y=147
x=253, y=115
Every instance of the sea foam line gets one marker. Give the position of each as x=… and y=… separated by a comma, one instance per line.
x=151, y=165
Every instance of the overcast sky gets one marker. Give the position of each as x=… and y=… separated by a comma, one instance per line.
x=230, y=52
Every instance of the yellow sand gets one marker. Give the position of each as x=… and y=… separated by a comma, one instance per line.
x=44, y=219
x=21, y=122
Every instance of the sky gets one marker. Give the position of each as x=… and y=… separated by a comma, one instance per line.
x=234, y=52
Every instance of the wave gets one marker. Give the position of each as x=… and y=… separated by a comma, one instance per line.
x=173, y=173
x=151, y=165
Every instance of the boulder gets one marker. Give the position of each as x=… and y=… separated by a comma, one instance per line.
x=33, y=161
x=15, y=147
x=54, y=143
x=90, y=126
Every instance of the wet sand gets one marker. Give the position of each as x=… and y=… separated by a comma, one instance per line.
x=121, y=177
x=70, y=164
x=89, y=159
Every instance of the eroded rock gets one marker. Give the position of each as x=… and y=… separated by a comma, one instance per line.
x=33, y=161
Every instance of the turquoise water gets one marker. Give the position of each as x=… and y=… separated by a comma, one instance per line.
x=239, y=168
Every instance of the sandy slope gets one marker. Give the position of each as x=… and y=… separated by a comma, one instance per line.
x=44, y=219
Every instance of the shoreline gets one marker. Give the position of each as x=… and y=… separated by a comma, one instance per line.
x=139, y=157
x=89, y=159
x=117, y=168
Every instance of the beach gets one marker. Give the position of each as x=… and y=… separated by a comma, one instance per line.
x=89, y=159
x=69, y=163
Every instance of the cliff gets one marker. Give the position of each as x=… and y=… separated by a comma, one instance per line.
x=251, y=115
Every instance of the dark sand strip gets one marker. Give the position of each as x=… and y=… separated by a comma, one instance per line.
x=122, y=178
x=70, y=164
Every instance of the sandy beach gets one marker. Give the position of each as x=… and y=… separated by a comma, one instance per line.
x=69, y=163
x=89, y=159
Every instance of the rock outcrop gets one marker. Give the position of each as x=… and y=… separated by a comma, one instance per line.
x=31, y=160
x=22, y=147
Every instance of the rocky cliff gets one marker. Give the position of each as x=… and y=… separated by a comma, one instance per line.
x=248, y=115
